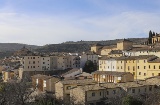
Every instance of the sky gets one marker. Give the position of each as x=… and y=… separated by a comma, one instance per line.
x=41, y=22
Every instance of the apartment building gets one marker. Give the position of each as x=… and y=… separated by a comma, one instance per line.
x=107, y=64
x=45, y=63
x=97, y=94
x=31, y=63
x=153, y=68
x=88, y=56
x=107, y=92
x=44, y=83
x=68, y=61
x=63, y=87
x=141, y=67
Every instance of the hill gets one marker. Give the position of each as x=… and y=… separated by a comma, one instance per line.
x=8, y=49
x=81, y=46
x=15, y=46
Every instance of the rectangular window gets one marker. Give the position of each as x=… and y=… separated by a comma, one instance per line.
x=128, y=67
x=133, y=90
x=33, y=62
x=154, y=67
x=133, y=68
x=144, y=74
x=152, y=74
x=44, y=83
x=150, y=88
x=33, y=57
x=145, y=89
x=138, y=67
x=114, y=91
x=93, y=94
x=107, y=92
x=144, y=61
x=149, y=66
x=139, y=73
x=144, y=67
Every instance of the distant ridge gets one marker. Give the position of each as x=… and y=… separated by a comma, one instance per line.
x=8, y=49
x=15, y=46
x=81, y=46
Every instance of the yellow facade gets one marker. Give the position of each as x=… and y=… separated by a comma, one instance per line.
x=155, y=39
x=121, y=65
x=131, y=66
x=102, y=65
x=142, y=67
x=123, y=45
x=153, y=69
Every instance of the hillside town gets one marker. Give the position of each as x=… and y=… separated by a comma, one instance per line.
x=105, y=75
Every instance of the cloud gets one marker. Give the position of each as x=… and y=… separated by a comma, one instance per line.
x=49, y=29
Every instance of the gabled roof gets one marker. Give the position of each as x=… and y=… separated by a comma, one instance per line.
x=114, y=73
x=80, y=82
x=70, y=71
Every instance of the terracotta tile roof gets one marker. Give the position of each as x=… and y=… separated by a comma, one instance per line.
x=70, y=71
x=116, y=52
x=80, y=82
x=45, y=77
x=84, y=74
x=114, y=73
x=110, y=47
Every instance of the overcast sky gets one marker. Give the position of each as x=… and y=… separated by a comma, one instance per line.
x=41, y=22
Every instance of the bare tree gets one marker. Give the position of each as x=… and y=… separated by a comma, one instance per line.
x=15, y=92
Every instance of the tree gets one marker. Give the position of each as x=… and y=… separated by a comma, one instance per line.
x=153, y=34
x=150, y=37
x=90, y=66
x=15, y=92
x=129, y=100
x=150, y=34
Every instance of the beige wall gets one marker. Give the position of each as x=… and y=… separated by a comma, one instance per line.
x=154, y=69
x=142, y=67
x=121, y=66
x=103, y=65
x=104, y=78
x=124, y=45
x=53, y=62
x=31, y=63
x=59, y=90
x=140, y=90
x=61, y=62
x=95, y=49
x=45, y=63
x=105, y=51
x=131, y=66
